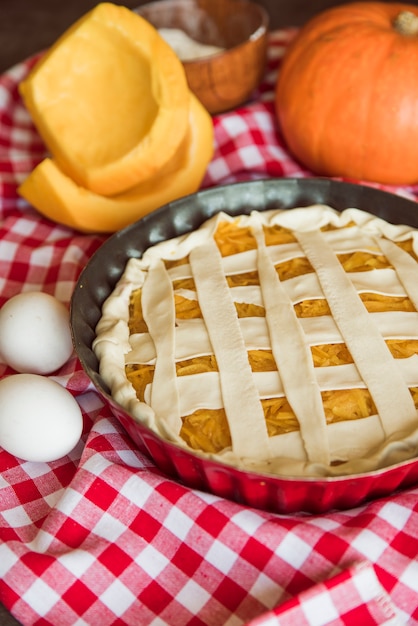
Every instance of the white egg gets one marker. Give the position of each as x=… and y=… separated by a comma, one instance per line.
x=39, y=419
x=35, y=334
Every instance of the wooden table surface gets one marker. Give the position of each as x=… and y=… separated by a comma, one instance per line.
x=29, y=26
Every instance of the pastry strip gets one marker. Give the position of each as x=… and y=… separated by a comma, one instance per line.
x=159, y=315
x=293, y=357
x=240, y=396
x=406, y=268
x=192, y=338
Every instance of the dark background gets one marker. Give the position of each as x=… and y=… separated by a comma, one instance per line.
x=30, y=26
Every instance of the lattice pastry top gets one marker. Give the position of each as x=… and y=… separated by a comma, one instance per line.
x=283, y=341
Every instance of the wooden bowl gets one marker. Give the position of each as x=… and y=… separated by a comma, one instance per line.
x=226, y=79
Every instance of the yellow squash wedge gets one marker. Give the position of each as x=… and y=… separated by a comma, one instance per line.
x=59, y=198
x=110, y=100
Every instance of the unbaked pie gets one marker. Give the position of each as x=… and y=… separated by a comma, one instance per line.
x=281, y=341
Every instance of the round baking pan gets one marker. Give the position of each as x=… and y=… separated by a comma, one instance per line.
x=97, y=280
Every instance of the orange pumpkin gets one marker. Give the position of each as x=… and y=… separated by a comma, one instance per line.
x=347, y=93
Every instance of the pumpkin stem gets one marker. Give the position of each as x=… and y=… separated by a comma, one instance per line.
x=406, y=23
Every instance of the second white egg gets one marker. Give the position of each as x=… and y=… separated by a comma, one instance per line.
x=39, y=419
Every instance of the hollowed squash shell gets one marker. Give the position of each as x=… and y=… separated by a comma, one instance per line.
x=59, y=198
x=110, y=100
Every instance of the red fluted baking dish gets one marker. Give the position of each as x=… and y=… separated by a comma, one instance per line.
x=266, y=491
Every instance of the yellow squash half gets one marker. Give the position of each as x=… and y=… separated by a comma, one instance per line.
x=110, y=100
x=59, y=198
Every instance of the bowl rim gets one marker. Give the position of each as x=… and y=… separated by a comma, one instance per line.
x=260, y=32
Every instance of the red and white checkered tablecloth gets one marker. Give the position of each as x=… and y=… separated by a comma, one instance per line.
x=101, y=537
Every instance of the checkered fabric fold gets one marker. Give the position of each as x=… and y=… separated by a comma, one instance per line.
x=102, y=537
